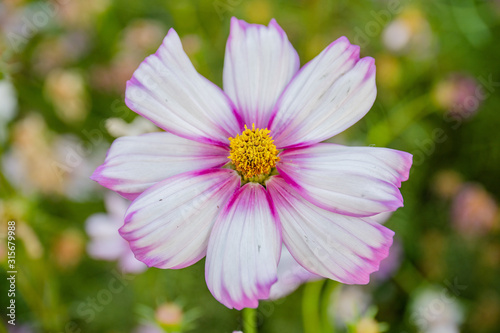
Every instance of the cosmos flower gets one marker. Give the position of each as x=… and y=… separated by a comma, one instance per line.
x=242, y=170
x=105, y=241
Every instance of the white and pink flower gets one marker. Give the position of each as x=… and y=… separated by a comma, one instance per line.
x=241, y=171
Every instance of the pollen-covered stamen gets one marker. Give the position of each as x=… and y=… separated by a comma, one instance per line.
x=253, y=152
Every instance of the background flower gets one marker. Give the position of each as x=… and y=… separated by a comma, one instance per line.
x=8, y=108
x=105, y=241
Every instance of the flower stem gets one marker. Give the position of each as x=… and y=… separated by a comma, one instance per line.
x=328, y=324
x=249, y=320
x=310, y=306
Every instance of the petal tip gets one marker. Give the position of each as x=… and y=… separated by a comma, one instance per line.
x=102, y=180
x=96, y=175
x=237, y=24
x=274, y=24
x=171, y=33
x=343, y=39
x=371, y=68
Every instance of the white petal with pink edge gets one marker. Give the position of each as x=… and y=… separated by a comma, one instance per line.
x=356, y=181
x=338, y=247
x=135, y=163
x=244, y=249
x=168, y=225
x=328, y=95
x=259, y=63
x=168, y=90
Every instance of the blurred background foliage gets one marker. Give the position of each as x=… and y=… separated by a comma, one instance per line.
x=64, y=64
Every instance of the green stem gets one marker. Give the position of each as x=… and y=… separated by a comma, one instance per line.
x=249, y=320
x=310, y=306
x=327, y=322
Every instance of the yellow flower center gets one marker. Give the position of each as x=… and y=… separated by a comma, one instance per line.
x=253, y=153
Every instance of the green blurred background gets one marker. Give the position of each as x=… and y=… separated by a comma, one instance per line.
x=63, y=68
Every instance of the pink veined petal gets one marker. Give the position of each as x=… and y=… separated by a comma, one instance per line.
x=290, y=276
x=356, y=181
x=328, y=95
x=259, y=63
x=169, y=224
x=135, y=163
x=168, y=90
x=339, y=247
x=244, y=249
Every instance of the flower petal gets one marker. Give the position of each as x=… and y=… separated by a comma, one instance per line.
x=339, y=247
x=135, y=163
x=259, y=63
x=168, y=225
x=328, y=95
x=356, y=181
x=244, y=249
x=291, y=275
x=168, y=90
